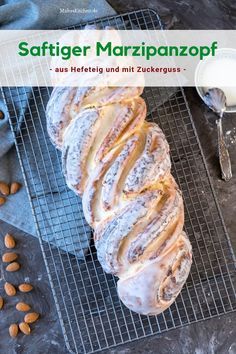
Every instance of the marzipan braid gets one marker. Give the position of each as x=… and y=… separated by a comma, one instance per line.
x=120, y=165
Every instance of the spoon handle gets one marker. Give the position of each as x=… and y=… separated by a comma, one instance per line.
x=225, y=163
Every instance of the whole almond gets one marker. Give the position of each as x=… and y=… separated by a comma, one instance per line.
x=1, y=302
x=4, y=188
x=31, y=317
x=13, y=330
x=2, y=200
x=25, y=328
x=9, y=241
x=10, y=289
x=13, y=267
x=9, y=257
x=25, y=287
x=23, y=307
x=15, y=186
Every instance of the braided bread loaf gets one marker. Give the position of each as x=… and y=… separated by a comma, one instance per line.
x=120, y=165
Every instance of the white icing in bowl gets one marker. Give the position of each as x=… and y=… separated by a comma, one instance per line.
x=221, y=68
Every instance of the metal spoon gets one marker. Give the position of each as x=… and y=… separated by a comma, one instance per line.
x=215, y=99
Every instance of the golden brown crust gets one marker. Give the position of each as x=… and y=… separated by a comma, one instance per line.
x=120, y=165
x=154, y=286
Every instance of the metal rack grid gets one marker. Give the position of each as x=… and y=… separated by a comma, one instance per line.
x=91, y=315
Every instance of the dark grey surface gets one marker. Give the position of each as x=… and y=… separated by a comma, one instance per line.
x=213, y=336
x=46, y=336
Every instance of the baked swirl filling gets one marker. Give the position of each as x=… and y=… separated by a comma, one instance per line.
x=120, y=165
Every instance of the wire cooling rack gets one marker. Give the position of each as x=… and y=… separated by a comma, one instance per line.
x=91, y=315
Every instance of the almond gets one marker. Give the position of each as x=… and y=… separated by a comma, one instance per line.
x=10, y=289
x=9, y=257
x=1, y=302
x=23, y=307
x=15, y=186
x=25, y=328
x=25, y=287
x=4, y=188
x=13, y=330
x=2, y=200
x=13, y=267
x=1, y=115
x=31, y=317
x=9, y=241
